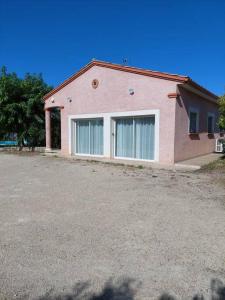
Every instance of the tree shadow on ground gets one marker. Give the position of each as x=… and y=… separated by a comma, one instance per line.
x=217, y=292
x=125, y=289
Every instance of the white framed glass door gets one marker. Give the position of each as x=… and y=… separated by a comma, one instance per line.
x=89, y=137
x=135, y=137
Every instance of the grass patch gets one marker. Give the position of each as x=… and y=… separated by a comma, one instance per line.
x=217, y=165
x=140, y=167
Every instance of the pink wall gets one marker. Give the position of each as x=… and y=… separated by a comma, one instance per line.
x=187, y=146
x=112, y=95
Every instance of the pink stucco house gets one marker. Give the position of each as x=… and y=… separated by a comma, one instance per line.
x=115, y=111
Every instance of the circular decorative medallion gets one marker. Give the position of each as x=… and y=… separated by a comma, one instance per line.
x=95, y=83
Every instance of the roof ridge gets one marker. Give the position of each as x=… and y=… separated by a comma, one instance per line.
x=136, y=68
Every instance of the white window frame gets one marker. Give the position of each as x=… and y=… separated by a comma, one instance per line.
x=74, y=138
x=109, y=130
x=213, y=122
x=193, y=110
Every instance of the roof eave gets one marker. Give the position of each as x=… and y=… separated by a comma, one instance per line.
x=161, y=75
x=67, y=81
x=199, y=90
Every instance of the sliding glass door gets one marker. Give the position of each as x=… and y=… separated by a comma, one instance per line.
x=144, y=134
x=124, y=137
x=135, y=138
x=89, y=137
x=96, y=137
x=82, y=137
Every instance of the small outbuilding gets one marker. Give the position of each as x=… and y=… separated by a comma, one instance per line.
x=121, y=112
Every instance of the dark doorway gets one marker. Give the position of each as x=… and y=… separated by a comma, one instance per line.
x=55, y=128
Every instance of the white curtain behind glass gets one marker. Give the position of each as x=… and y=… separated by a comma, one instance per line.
x=82, y=137
x=96, y=137
x=135, y=137
x=124, y=137
x=144, y=138
x=89, y=136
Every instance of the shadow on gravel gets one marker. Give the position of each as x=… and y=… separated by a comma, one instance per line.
x=120, y=290
x=217, y=292
x=125, y=289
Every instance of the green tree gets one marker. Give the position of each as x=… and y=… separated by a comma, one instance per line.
x=34, y=89
x=222, y=112
x=11, y=106
x=22, y=107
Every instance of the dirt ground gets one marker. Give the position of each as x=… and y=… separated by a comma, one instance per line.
x=82, y=230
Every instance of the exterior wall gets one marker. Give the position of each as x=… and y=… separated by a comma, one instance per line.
x=186, y=145
x=112, y=95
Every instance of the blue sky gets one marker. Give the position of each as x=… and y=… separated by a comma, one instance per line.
x=56, y=38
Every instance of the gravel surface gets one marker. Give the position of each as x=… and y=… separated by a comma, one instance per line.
x=83, y=230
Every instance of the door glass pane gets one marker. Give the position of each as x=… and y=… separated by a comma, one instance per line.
x=96, y=137
x=82, y=137
x=144, y=137
x=124, y=137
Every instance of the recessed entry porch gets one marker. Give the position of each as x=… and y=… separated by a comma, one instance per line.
x=53, y=128
x=123, y=135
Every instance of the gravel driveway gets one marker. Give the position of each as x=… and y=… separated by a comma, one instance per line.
x=83, y=230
